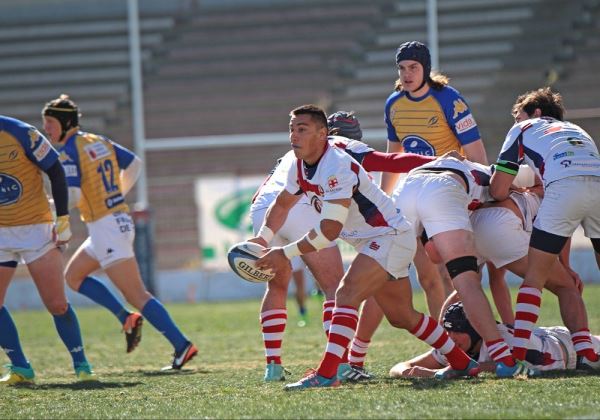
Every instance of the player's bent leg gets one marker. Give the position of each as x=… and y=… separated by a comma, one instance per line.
x=327, y=268
x=126, y=271
x=430, y=281
x=370, y=317
x=395, y=299
x=457, y=249
x=79, y=266
x=273, y=320
x=363, y=278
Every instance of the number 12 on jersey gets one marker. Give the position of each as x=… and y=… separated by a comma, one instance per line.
x=106, y=170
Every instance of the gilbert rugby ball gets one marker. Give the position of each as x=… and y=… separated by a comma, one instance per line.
x=242, y=257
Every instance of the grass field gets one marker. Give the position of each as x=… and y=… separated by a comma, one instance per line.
x=225, y=379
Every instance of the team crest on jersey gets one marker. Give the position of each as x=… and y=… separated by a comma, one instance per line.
x=332, y=182
x=459, y=107
x=10, y=190
x=34, y=136
x=96, y=151
x=42, y=150
x=418, y=145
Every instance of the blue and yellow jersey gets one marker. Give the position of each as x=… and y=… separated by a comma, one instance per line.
x=436, y=123
x=24, y=153
x=93, y=163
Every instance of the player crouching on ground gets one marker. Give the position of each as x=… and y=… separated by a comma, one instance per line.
x=550, y=348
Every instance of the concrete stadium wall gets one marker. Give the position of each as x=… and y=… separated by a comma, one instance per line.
x=198, y=286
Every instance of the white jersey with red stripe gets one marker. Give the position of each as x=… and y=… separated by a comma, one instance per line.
x=339, y=176
x=554, y=149
x=550, y=348
x=276, y=181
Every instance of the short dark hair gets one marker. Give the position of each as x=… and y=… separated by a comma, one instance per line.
x=316, y=113
x=549, y=103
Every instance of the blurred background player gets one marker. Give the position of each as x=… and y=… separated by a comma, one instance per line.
x=566, y=158
x=424, y=115
x=29, y=233
x=299, y=278
x=550, y=348
x=99, y=174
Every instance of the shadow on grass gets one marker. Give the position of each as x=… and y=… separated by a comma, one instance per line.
x=88, y=385
x=428, y=383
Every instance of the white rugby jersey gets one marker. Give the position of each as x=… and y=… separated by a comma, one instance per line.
x=475, y=174
x=550, y=348
x=554, y=149
x=276, y=181
x=339, y=176
x=529, y=204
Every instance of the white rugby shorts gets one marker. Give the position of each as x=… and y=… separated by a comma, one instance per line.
x=394, y=252
x=301, y=218
x=499, y=235
x=25, y=243
x=437, y=201
x=568, y=203
x=111, y=238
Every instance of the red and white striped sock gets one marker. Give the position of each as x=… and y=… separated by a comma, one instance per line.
x=527, y=312
x=582, y=341
x=358, y=351
x=343, y=327
x=273, y=325
x=433, y=334
x=328, y=306
x=500, y=352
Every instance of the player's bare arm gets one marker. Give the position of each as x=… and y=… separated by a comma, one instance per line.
x=500, y=184
x=421, y=366
x=475, y=152
x=389, y=180
x=334, y=215
x=275, y=217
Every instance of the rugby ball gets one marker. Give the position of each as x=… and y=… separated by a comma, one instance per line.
x=242, y=257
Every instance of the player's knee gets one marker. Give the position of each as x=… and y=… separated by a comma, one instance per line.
x=74, y=282
x=57, y=306
x=462, y=265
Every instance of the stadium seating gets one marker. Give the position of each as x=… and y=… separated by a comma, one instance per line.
x=238, y=66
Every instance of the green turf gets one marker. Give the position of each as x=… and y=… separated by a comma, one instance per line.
x=225, y=380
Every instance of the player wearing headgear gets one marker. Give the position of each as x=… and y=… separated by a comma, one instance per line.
x=436, y=196
x=99, y=174
x=356, y=210
x=427, y=116
x=326, y=266
x=550, y=348
x=566, y=158
x=28, y=232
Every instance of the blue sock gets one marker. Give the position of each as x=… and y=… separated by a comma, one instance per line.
x=160, y=319
x=67, y=326
x=99, y=293
x=9, y=340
